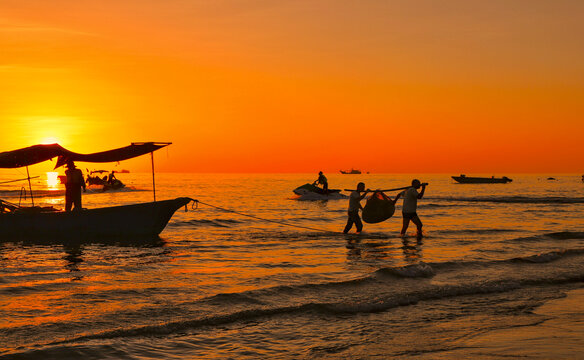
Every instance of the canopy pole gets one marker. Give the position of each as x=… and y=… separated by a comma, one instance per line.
x=29, y=186
x=153, y=182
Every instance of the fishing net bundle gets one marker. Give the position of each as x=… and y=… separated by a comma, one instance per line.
x=379, y=207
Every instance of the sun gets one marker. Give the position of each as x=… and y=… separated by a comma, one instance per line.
x=50, y=140
x=52, y=180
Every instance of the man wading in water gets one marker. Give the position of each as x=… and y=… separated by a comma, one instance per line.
x=410, y=206
x=354, y=206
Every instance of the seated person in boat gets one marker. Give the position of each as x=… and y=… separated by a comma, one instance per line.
x=322, y=180
x=73, y=186
x=111, y=178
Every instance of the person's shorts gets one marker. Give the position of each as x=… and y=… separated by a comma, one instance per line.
x=409, y=216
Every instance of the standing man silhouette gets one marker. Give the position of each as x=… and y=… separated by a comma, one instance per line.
x=354, y=207
x=410, y=206
x=73, y=187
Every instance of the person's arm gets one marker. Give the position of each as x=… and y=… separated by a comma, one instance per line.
x=421, y=194
x=397, y=197
x=364, y=194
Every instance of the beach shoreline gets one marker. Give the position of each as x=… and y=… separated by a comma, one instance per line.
x=557, y=336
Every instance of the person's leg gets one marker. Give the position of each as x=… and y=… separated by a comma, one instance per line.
x=349, y=224
x=406, y=223
x=77, y=202
x=68, y=200
x=416, y=220
x=358, y=223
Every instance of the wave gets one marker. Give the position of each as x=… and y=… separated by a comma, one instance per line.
x=381, y=290
x=562, y=235
x=474, y=231
x=409, y=271
x=434, y=205
x=223, y=223
x=516, y=199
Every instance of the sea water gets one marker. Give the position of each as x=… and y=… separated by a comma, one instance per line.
x=254, y=272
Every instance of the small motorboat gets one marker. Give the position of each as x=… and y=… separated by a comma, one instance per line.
x=311, y=188
x=108, y=183
x=463, y=179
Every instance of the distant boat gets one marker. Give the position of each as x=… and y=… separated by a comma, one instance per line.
x=352, y=171
x=463, y=179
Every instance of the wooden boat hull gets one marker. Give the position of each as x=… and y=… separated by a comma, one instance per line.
x=479, y=180
x=145, y=219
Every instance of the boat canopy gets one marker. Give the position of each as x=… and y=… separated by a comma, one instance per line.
x=38, y=153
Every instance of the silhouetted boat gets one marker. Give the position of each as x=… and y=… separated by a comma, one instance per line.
x=463, y=179
x=311, y=188
x=104, y=182
x=145, y=219
x=352, y=171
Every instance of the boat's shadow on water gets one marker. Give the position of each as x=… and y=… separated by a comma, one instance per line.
x=73, y=241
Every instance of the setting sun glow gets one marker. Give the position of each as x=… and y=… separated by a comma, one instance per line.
x=52, y=179
x=287, y=86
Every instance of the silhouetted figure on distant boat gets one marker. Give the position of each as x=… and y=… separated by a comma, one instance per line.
x=354, y=207
x=410, y=206
x=322, y=180
x=111, y=178
x=73, y=186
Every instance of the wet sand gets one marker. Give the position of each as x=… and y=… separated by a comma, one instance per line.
x=559, y=335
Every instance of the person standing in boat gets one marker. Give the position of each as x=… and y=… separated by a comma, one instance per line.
x=73, y=187
x=410, y=206
x=322, y=180
x=354, y=207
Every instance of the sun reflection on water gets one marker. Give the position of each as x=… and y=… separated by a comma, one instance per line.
x=52, y=180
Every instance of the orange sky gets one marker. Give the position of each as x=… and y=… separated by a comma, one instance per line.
x=300, y=86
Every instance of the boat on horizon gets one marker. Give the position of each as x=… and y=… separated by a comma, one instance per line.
x=463, y=179
x=136, y=220
x=352, y=171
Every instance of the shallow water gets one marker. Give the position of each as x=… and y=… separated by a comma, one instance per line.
x=220, y=284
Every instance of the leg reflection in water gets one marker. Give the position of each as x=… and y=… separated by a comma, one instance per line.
x=412, y=250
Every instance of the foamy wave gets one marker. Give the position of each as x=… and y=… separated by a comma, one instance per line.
x=410, y=271
x=550, y=256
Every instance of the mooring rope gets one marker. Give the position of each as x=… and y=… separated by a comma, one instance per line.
x=196, y=202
